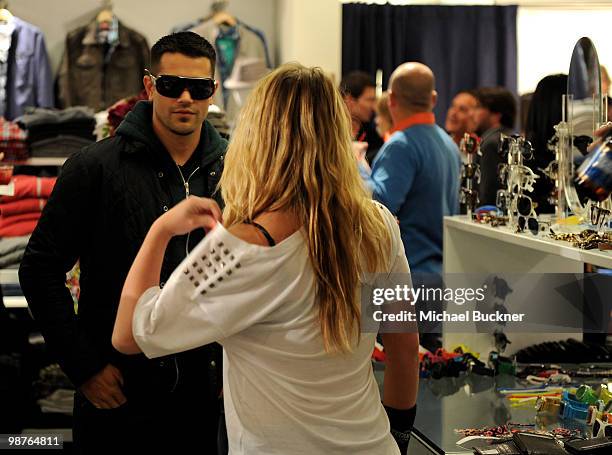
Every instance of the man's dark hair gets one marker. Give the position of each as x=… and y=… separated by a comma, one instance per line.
x=355, y=82
x=498, y=100
x=187, y=43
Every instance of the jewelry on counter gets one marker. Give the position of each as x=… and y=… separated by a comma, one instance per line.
x=548, y=405
x=586, y=240
x=491, y=218
x=504, y=431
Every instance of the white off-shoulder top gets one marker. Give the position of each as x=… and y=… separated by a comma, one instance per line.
x=283, y=393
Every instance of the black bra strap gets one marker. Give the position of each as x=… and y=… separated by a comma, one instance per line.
x=263, y=230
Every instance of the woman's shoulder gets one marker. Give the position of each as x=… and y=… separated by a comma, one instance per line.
x=392, y=225
x=248, y=234
x=386, y=214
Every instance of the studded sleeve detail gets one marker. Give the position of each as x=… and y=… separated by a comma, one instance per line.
x=212, y=266
x=224, y=286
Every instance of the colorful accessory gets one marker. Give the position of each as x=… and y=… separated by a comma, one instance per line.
x=571, y=408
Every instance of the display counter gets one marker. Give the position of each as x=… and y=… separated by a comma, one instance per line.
x=471, y=247
x=470, y=401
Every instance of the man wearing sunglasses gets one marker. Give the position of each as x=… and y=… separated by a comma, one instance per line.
x=106, y=198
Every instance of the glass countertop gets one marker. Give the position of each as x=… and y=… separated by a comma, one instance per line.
x=472, y=401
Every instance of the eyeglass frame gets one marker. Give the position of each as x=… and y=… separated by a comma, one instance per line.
x=599, y=216
x=154, y=79
x=602, y=428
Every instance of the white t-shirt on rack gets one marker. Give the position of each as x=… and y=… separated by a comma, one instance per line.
x=283, y=393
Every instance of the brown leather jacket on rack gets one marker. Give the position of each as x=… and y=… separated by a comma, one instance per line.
x=89, y=76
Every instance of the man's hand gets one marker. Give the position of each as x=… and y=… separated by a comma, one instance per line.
x=360, y=149
x=605, y=129
x=192, y=213
x=600, y=133
x=104, y=389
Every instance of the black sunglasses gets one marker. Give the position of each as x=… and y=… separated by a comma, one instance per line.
x=200, y=88
x=532, y=224
x=524, y=205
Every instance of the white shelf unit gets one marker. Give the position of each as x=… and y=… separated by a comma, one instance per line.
x=471, y=247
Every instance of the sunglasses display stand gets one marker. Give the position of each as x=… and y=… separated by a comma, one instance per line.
x=470, y=173
x=583, y=110
x=519, y=180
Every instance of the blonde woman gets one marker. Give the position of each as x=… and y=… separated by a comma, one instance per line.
x=277, y=281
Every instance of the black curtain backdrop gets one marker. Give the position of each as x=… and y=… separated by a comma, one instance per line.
x=465, y=46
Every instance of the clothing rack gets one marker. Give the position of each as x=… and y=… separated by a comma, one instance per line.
x=218, y=6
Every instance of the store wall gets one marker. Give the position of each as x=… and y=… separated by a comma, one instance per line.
x=152, y=18
x=546, y=38
x=310, y=32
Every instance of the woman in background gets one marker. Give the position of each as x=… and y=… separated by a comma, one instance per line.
x=544, y=113
x=277, y=281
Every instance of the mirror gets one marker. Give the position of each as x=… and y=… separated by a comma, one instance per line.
x=584, y=90
x=583, y=113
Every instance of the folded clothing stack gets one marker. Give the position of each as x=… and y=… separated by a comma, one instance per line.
x=58, y=133
x=11, y=251
x=13, y=141
x=20, y=213
x=118, y=111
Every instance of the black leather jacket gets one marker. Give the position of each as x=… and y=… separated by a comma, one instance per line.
x=105, y=199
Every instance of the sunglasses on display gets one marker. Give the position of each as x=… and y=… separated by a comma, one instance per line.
x=521, y=145
x=602, y=429
x=530, y=223
x=524, y=205
x=200, y=88
x=599, y=216
x=468, y=197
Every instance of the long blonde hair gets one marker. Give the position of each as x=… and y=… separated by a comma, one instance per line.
x=291, y=150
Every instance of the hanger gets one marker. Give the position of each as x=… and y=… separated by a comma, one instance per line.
x=106, y=15
x=220, y=15
x=224, y=18
x=5, y=14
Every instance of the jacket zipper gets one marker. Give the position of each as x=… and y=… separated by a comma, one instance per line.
x=186, y=185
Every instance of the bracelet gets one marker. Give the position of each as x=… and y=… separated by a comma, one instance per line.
x=548, y=405
x=402, y=437
x=572, y=408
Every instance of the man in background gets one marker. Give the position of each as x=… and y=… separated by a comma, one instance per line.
x=416, y=176
x=359, y=93
x=460, y=116
x=494, y=115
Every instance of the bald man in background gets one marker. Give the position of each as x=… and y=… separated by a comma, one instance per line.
x=416, y=173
